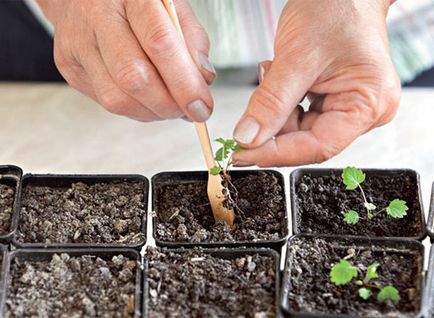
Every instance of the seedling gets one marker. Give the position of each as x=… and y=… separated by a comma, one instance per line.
x=223, y=156
x=353, y=179
x=344, y=273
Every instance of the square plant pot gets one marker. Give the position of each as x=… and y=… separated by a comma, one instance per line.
x=429, y=289
x=319, y=200
x=74, y=211
x=72, y=283
x=10, y=191
x=182, y=215
x=238, y=282
x=307, y=289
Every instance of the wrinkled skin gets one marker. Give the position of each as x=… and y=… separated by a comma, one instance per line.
x=129, y=57
x=339, y=54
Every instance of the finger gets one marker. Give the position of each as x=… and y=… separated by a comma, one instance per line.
x=108, y=93
x=166, y=49
x=329, y=134
x=131, y=69
x=72, y=71
x=272, y=103
x=196, y=39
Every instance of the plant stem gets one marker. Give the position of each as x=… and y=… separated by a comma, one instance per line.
x=378, y=212
x=363, y=194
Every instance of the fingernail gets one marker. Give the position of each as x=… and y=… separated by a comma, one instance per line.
x=206, y=63
x=242, y=164
x=261, y=73
x=198, y=111
x=246, y=130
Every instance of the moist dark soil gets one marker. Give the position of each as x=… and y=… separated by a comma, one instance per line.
x=196, y=284
x=7, y=194
x=85, y=286
x=102, y=213
x=322, y=202
x=184, y=213
x=310, y=288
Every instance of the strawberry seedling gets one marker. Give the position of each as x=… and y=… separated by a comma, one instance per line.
x=353, y=179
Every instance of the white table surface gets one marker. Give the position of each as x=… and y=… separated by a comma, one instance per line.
x=52, y=128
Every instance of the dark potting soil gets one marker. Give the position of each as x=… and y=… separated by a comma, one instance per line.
x=196, y=284
x=7, y=194
x=323, y=201
x=85, y=286
x=184, y=214
x=102, y=213
x=312, y=291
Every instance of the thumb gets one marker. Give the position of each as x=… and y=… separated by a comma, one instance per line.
x=272, y=102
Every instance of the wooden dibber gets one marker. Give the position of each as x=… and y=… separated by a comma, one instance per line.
x=215, y=188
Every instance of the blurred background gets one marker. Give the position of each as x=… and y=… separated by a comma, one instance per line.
x=241, y=33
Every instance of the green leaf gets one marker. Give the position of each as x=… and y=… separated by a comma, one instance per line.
x=397, y=209
x=215, y=171
x=372, y=271
x=352, y=177
x=230, y=144
x=369, y=206
x=359, y=283
x=238, y=148
x=365, y=293
x=388, y=292
x=221, y=141
x=342, y=273
x=351, y=217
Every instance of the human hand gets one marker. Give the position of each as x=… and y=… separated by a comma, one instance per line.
x=337, y=51
x=128, y=56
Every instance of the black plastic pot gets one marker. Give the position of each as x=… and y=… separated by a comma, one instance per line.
x=3, y=255
x=226, y=254
x=297, y=174
x=172, y=178
x=430, y=221
x=405, y=246
x=11, y=176
x=65, y=181
x=46, y=254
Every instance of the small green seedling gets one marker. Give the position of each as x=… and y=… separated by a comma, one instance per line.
x=353, y=179
x=344, y=273
x=223, y=156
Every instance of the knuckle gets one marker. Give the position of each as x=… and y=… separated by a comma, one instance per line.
x=132, y=77
x=161, y=40
x=270, y=101
x=198, y=32
x=113, y=103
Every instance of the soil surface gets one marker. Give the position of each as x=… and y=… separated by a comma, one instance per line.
x=196, y=284
x=184, y=213
x=102, y=213
x=7, y=194
x=312, y=291
x=323, y=201
x=85, y=286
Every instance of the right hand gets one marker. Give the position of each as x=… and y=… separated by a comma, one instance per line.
x=129, y=57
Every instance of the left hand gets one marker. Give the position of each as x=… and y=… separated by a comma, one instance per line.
x=339, y=54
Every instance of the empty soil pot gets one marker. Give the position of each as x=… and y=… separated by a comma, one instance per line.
x=307, y=289
x=212, y=283
x=182, y=214
x=73, y=211
x=10, y=190
x=319, y=200
x=73, y=283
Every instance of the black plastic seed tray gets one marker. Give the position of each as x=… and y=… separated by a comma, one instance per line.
x=396, y=245
x=165, y=178
x=65, y=181
x=11, y=176
x=229, y=253
x=297, y=174
x=46, y=254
